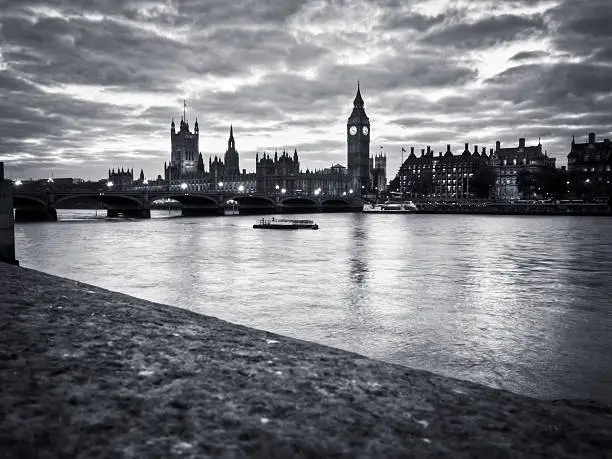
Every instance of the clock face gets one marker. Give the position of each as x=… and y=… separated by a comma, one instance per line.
x=353, y=130
x=365, y=130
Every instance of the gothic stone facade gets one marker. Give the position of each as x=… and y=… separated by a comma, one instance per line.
x=187, y=165
x=358, y=145
x=282, y=172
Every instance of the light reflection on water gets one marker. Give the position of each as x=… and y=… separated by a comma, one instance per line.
x=521, y=303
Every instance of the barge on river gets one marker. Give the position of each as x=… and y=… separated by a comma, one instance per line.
x=285, y=224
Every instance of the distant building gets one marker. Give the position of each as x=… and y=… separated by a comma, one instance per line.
x=442, y=177
x=358, y=145
x=378, y=173
x=186, y=164
x=279, y=172
x=509, y=163
x=591, y=163
x=282, y=172
x=274, y=174
x=121, y=179
x=184, y=151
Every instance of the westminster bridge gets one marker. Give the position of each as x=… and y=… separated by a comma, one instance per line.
x=43, y=205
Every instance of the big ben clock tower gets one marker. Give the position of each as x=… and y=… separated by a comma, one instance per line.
x=358, y=145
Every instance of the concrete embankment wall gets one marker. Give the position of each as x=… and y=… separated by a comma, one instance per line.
x=518, y=209
x=85, y=372
x=7, y=224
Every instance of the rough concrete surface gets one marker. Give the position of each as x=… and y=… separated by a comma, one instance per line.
x=89, y=373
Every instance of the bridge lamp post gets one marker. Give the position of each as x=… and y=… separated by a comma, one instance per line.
x=241, y=188
x=109, y=185
x=18, y=182
x=183, y=186
x=317, y=192
x=351, y=191
x=283, y=191
x=220, y=184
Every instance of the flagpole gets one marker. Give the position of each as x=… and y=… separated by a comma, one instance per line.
x=402, y=176
x=381, y=153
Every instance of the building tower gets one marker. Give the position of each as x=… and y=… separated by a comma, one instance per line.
x=184, y=148
x=232, y=159
x=358, y=145
x=379, y=174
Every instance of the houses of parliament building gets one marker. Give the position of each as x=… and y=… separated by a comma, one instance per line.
x=277, y=173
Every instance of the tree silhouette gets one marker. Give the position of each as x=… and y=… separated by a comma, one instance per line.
x=482, y=181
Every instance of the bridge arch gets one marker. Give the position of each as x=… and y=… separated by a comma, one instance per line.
x=28, y=202
x=299, y=201
x=254, y=200
x=335, y=202
x=188, y=199
x=110, y=200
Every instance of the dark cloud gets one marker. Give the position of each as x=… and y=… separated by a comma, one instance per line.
x=527, y=55
x=487, y=32
x=412, y=21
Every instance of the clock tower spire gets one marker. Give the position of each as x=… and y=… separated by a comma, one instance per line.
x=358, y=145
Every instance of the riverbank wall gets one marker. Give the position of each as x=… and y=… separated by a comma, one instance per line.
x=507, y=208
x=86, y=372
x=7, y=221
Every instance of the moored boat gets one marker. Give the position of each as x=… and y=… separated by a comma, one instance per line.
x=389, y=207
x=285, y=224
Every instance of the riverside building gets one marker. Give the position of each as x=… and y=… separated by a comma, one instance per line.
x=591, y=163
x=510, y=162
x=441, y=177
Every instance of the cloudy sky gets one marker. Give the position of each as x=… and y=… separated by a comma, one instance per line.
x=90, y=85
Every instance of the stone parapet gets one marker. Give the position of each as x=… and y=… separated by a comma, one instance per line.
x=87, y=372
x=7, y=221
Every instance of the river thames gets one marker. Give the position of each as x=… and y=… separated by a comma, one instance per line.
x=520, y=303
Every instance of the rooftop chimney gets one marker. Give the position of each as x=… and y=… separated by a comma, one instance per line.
x=466, y=146
x=448, y=147
x=475, y=148
x=497, y=145
x=591, y=137
x=521, y=142
x=428, y=149
x=411, y=150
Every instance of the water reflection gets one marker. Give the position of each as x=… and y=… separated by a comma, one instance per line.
x=515, y=302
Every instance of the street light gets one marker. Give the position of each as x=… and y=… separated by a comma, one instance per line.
x=241, y=188
x=220, y=184
x=317, y=191
x=351, y=191
x=18, y=182
x=283, y=191
x=50, y=180
x=276, y=187
x=145, y=182
x=109, y=184
x=183, y=186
